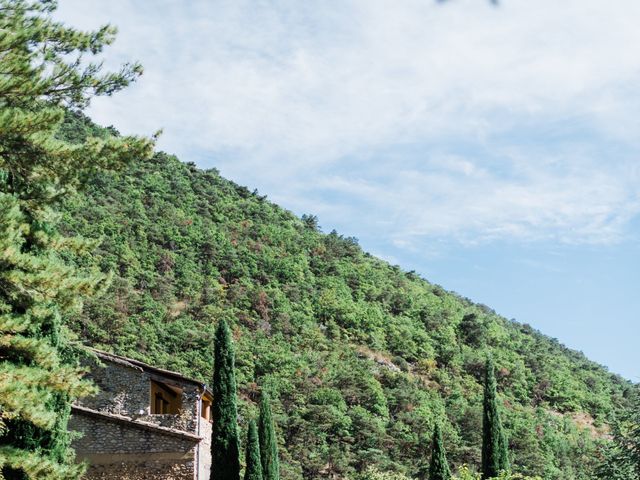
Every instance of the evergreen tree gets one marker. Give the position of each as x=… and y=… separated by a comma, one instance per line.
x=44, y=75
x=633, y=439
x=268, y=443
x=621, y=457
x=615, y=464
x=439, y=467
x=495, y=455
x=253, y=470
x=225, y=451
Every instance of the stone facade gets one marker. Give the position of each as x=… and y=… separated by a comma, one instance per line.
x=145, y=423
x=204, y=451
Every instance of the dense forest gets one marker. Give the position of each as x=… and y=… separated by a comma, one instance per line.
x=361, y=359
x=358, y=369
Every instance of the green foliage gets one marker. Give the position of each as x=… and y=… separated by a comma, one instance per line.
x=465, y=473
x=439, y=467
x=514, y=476
x=360, y=358
x=225, y=449
x=44, y=73
x=495, y=454
x=253, y=468
x=621, y=458
x=374, y=474
x=268, y=443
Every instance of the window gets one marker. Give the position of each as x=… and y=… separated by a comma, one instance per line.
x=205, y=406
x=165, y=399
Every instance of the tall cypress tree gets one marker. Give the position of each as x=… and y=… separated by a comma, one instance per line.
x=225, y=450
x=495, y=455
x=439, y=467
x=268, y=444
x=253, y=470
x=44, y=75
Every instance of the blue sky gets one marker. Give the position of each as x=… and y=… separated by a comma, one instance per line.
x=494, y=150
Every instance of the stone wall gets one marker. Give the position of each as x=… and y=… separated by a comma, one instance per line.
x=121, y=439
x=125, y=389
x=204, y=449
x=143, y=471
x=121, y=449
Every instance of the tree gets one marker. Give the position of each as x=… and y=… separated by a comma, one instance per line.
x=621, y=458
x=44, y=75
x=225, y=450
x=268, y=444
x=495, y=455
x=253, y=469
x=615, y=464
x=372, y=473
x=439, y=467
x=632, y=442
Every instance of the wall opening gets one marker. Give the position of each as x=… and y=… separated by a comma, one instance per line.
x=205, y=407
x=165, y=399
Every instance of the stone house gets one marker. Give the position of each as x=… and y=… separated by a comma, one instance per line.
x=145, y=423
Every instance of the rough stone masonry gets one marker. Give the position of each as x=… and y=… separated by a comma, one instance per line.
x=145, y=423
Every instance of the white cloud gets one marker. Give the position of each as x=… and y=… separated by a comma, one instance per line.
x=585, y=205
x=358, y=111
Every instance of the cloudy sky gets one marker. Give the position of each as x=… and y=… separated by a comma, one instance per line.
x=493, y=149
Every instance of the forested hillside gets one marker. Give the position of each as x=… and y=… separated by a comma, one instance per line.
x=360, y=357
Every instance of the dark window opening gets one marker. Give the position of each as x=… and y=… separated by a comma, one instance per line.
x=165, y=399
x=205, y=410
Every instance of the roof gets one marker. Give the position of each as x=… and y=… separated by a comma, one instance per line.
x=138, y=365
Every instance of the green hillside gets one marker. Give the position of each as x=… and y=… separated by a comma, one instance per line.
x=360, y=357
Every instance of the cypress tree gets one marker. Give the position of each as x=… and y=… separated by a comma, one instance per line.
x=45, y=75
x=495, y=456
x=268, y=444
x=439, y=467
x=225, y=450
x=253, y=469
